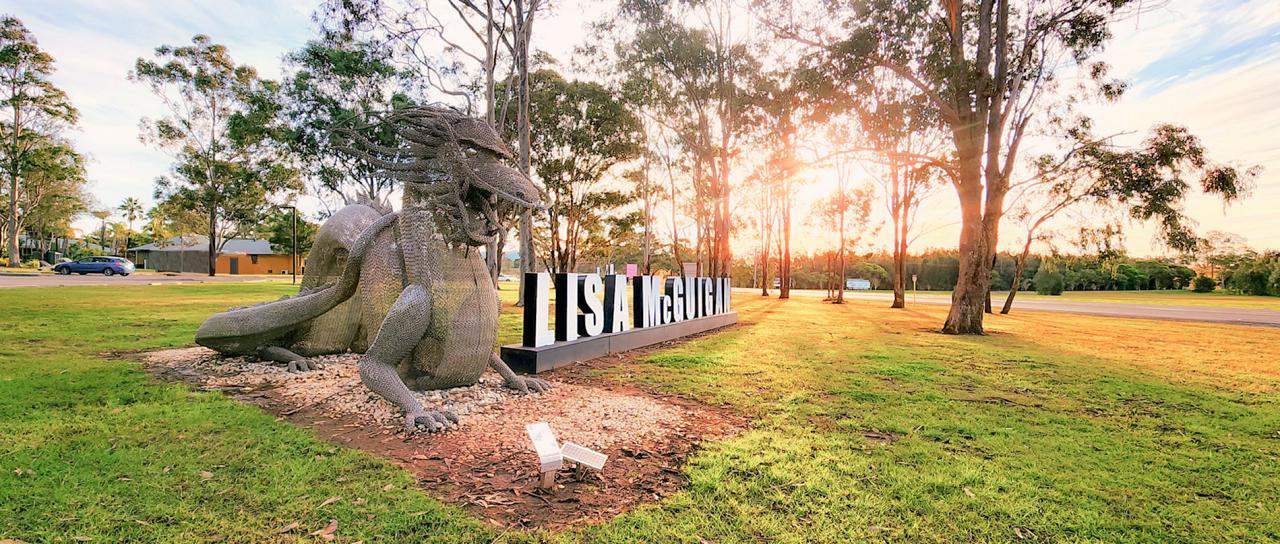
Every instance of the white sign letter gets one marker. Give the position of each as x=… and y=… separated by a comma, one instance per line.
x=675, y=290
x=566, y=307
x=537, y=302
x=615, y=303
x=591, y=322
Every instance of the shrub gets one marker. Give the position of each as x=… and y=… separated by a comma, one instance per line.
x=1274, y=282
x=878, y=276
x=1204, y=284
x=1251, y=279
x=1049, y=280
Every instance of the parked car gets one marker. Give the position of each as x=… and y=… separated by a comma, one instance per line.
x=107, y=266
x=506, y=277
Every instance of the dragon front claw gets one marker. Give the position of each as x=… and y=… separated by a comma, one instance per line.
x=304, y=365
x=525, y=384
x=430, y=421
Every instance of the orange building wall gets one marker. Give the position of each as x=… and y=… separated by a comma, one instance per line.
x=267, y=264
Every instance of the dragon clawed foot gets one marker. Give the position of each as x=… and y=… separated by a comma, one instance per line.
x=430, y=421
x=304, y=365
x=525, y=384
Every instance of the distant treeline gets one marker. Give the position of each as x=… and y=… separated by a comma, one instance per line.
x=937, y=270
x=1248, y=272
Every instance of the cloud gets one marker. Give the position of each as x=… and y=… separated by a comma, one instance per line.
x=1216, y=74
x=95, y=44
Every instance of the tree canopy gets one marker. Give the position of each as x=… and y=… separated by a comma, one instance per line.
x=222, y=130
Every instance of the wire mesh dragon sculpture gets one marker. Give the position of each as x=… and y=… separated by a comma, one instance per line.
x=408, y=290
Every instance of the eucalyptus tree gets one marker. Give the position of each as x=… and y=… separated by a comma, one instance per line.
x=898, y=142
x=338, y=81
x=989, y=68
x=37, y=112
x=1147, y=182
x=221, y=129
x=846, y=207
x=763, y=201
x=52, y=192
x=334, y=81
x=585, y=133
x=469, y=51
x=693, y=70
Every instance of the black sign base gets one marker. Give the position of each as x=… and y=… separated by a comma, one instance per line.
x=541, y=359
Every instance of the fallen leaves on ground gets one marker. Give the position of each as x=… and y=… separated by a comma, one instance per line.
x=327, y=534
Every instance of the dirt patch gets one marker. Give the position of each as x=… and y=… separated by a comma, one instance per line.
x=486, y=465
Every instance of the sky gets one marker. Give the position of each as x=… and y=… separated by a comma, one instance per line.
x=1211, y=65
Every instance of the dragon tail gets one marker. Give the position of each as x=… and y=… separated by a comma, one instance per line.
x=242, y=331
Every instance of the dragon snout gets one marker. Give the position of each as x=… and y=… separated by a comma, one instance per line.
x=510, y=185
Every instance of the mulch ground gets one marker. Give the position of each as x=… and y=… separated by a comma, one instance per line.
x=487, y=465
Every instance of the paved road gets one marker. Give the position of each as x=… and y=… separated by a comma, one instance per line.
x=54, y=280
x=1237, y=316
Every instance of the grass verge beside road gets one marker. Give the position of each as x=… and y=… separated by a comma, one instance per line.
x=1172, y=297
x=868, y=426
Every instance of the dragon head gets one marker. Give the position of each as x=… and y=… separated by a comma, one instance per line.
x=454, y=164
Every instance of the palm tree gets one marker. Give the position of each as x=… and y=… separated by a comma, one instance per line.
x=132, y=209
x=102, y=215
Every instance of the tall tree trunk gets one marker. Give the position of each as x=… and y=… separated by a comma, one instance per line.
x=493, y=256
x=213, y=240
x=899, y=272
x=499, y=245
x=523, y=31
x=490, y=65
x=11, y=232
x=648, y=218
x=840, y=274
x=722, y=207
x=1018, y=270
x=831, y=273
x=697, y=243
x=784, y=287
x=764, y=272
x=764, y=260
x=977, y=234
x=987, y=305
x=128, y=238
x=898, y=210
x=965, y=316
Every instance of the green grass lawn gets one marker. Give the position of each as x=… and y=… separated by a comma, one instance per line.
x=1172, y=297
x=868, y=426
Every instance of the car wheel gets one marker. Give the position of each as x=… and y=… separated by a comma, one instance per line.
x=108, y=272
x=122, y=274
x=64, y=271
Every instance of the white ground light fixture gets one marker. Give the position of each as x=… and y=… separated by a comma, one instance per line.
x=551, y=455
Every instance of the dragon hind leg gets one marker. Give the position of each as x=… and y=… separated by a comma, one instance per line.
x=405, y=325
